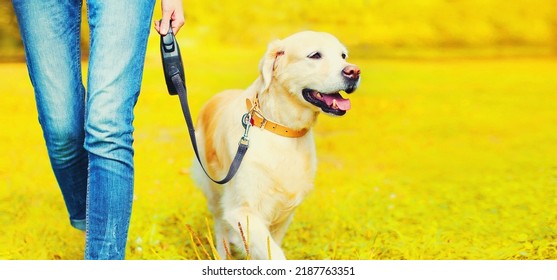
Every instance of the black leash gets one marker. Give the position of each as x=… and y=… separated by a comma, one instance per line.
x=175, y=82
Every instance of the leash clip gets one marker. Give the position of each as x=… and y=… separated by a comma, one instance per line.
x=246, y=122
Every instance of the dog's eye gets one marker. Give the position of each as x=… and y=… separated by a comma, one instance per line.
x=315, y=55
x=344, y=56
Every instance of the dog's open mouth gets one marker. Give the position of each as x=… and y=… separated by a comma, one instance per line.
x=332, y=103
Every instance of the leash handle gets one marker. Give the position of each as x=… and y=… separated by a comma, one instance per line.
x=171, y=60
x=175, y=82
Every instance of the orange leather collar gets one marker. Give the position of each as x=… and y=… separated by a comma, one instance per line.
x=258, y=120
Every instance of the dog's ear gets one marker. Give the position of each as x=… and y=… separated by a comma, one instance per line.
x=268, y=63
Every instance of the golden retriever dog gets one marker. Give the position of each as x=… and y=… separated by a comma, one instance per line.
x=299, y=77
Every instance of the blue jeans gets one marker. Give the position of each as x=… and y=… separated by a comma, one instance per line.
x=89, y=132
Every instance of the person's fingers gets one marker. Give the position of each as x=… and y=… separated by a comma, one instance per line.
x=171, y=10
x=164, y=24
x=158, y=26
x=178, y=20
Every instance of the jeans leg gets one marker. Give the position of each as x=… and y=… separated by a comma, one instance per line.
x=50, y=32
x=119, y=32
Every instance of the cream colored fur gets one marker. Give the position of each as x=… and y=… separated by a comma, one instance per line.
x=277, y=172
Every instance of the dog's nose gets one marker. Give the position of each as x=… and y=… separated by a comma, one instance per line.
x=351, y=72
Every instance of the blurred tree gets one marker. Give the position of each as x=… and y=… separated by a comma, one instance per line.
x=11, y=46
x=385, y=24
x=10, y=43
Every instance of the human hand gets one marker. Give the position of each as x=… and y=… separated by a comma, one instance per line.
x=171, y=10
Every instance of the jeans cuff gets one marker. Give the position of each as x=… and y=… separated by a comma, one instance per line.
x=78, y=224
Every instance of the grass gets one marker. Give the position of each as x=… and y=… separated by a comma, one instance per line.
x=438, y=159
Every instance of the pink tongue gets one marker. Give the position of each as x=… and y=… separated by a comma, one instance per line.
x=343, y=104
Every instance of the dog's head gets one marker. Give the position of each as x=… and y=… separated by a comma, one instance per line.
x=312, y=67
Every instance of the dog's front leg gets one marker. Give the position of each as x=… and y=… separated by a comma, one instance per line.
x=222, y=243
x=278, y=231
x=253, y=230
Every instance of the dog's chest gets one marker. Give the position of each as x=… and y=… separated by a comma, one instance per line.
x=292, y=173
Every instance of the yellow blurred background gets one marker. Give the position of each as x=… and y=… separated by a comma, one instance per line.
x=376, y=28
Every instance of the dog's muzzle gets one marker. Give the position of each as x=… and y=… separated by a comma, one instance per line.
x=333, y=102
